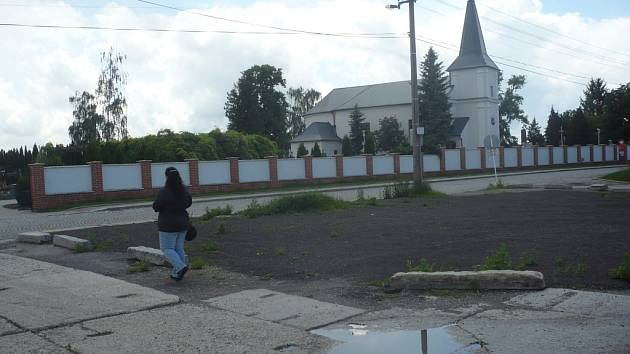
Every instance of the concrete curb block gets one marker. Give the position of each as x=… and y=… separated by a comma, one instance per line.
x=147, y=254
x=520, y=186
x=485, y=280
x=557, y=186
x=600, y=187
x=34, y=237
x=72, y=243
x=6, y=244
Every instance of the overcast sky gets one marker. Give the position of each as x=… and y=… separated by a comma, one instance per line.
x=180, y=80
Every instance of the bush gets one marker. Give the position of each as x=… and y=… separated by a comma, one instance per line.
x=405, y=189
x=497, y=261
x=23, y=191
x=307, y=202
x=622, y=271
x=214, y=212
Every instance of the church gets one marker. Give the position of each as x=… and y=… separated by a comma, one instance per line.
x=473, y=78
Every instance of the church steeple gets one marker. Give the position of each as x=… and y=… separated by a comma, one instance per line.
x=472, y=51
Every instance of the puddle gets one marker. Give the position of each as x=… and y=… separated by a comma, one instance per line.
x=362, y=340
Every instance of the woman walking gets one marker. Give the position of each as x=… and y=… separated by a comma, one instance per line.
x=173, y=221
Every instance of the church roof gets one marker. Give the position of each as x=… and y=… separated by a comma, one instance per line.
x=472, y=51
x=317, y=131
x=386, y=94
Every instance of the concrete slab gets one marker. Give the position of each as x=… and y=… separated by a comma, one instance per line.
x=185, y=328
x=6, y=244
x=286, y=309
x=51, y=298
x=34, y=237
x=7, y=328
x=491, y=279
x=147, y=254
x=71, y=243
x=28, y=343
x=526, y=331
x=542, y=299
x=398, y=318
x=13, y=267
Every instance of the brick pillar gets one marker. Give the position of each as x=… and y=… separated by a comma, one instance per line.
x=234, y=178
x=550, y=148
x=193, y=171
x=38, y=185
x=97, y=177
x=462, y=158
x=603, y=152
x=308, y=167
x=535, y=156
x=519, y=156
x=273, y=170
x=579, y=153
x=565, y=153
x=145, y=172
x=339, y=165
x=369, y=164
x=396, y=158
x=482, y=157
x=615, y=156
x=591, y=148
x=501, y=157
x=442, y=160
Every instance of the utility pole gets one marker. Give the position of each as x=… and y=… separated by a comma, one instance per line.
x=418, y=129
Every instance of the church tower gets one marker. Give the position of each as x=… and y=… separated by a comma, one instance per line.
x=474, y=78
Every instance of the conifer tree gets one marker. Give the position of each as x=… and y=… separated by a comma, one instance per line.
x=534, y=136
x=370, y=144
x=316, y=151
x=346, y=146
x=434, y=107
x=302, y=150
x=356, y=133
x=552, y=132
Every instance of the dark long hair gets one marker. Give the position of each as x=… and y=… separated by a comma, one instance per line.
x=173, y=181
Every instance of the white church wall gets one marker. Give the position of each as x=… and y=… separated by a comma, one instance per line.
x=452, y=160
x=527, y=156
x=510, y=158
x=473, y=159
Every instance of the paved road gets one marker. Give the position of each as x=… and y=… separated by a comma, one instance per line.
x=13, y=222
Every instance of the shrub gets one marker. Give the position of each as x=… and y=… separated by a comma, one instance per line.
x=405, y=189
x=23, y=191
x=622, y=271
x=500, y=260
x=214, y=212
x=307, y=202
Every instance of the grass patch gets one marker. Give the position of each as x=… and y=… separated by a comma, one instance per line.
x=619, y=176
x=198, y=263
x=81, y=248
x=100, y=245
x=138, y=267
x=500, y=260
x=210, y=246
x=221, y=230
x=218, y=211
x=494, y=186
x=526, y=260
x=301, y=203
x=406, y=189
x=622, y=271
x=423, y=266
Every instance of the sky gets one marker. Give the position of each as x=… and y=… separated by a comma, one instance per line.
x=180, y=80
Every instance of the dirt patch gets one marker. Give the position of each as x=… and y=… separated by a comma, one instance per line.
x=573, y=237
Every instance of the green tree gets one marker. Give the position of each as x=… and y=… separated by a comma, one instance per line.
x=434, y=107
x=256, y=106
x=534, y=136
x=370, y=143
x=302, y=150
x=578, y=131
x=616, y=116
x=110, y=95
x=552, y=131
x=88, y=124
x=346, y=146
x=356, y=130
x=594, y=98
x=300, y=101
x=389, y=135
x=316, y=151
x=510, y=110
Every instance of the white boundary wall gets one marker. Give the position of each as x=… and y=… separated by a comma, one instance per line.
x=157, y=173
x=597, y=153
x=324, y=167
x=291, y=169
x=214, y=172
x=558, y=155
x=543, y=156
x=473, y=159
x=354, y=166
x=510, y=157
x=572, y=154
x=431, y=163
x=122, y=177
x=67, y=179
x=406, y=163
x=452, y=162
x=586, y=154
x=497, y=159
x=527, y=156
x=610, y=153
x=253, y=171
x=383, y=165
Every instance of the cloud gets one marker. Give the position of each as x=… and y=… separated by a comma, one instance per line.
x=179, y=81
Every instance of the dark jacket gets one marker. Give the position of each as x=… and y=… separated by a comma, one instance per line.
x=172, y=208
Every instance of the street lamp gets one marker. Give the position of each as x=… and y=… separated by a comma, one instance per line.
x=418, y=131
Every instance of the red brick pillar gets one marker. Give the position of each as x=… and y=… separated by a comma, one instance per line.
x=273, y=170
x=592, y=151
x=38, y=185
x=615, y=155
x=603, y=152
x=550, y=148
x=535, y=156
x=369, y=164
x=462, y=158
x=501, y=157
x=482, y=157
x=442, y=160
x=519, y=156
x=339, y=165
x=145, y=172
x=565, y=153
x=234, y=178
x=97, y=177
x=193, y=172
x=396, y=157
x=579, y=153
x=308, y=167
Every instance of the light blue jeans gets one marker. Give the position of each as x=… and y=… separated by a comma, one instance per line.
x=172, y=244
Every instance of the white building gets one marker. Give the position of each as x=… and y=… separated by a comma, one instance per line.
x=473, y=95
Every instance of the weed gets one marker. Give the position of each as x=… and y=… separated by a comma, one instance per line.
x=267, y=276
x=423, y=266
x=100, y=246
x=198, y=263
x=622, y=271
x=280, y=251
x=212, y=213
x=500, y=260
x=140, y=266
x=307, y=202
x=188, y=248
x=562, y=265
x=579, y=269
x=124, y=237
x=406, y=189
x=381, y=283
x=210, y=246
x=526, y=260
x=334, y=234
x=360, y=195
x=221, y=229
x=498, y=185
x=81, y=248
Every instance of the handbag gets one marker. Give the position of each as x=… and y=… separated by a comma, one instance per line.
x=191, y=233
